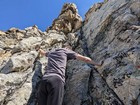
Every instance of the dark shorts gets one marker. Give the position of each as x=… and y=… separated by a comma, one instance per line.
x=50, y=91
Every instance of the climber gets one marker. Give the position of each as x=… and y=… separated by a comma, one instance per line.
x=51, y=87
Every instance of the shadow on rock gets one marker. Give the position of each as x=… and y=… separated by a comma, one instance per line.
x=35, y=83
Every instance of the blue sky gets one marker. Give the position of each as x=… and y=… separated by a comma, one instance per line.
x=25, y=13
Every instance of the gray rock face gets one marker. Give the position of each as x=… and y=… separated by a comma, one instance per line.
x=111, y=32
x=114, y=38
x=19, y=62
x=20, y=71
x=77, y=83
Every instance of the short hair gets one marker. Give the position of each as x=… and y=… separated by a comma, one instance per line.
x=67, y=44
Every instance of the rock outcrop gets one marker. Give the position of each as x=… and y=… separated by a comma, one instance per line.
x=109, y=33
x=20, y=69
x=68, y=21
x=114, y=39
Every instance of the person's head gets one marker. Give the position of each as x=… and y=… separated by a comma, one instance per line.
x=67, y=45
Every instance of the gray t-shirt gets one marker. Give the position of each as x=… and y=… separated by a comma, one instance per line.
x=57, y=62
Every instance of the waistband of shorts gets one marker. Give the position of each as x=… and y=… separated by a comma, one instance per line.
x=53, y=74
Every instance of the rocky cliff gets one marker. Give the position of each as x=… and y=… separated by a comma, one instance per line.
x=110, y=32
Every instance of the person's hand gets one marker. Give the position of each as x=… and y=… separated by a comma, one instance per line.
x=40, y=50
x=99, y=65
x=102, y=62
x=134, y=27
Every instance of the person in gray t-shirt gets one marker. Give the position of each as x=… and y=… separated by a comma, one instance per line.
x=51, y=87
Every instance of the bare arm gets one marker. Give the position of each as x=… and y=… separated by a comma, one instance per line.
x=134, y=27
x=86, y=59
x=42, y=52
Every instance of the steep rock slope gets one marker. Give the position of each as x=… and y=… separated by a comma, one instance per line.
x=21, y=67
x=110, y=32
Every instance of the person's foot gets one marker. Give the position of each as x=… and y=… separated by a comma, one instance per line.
x=100, y=65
